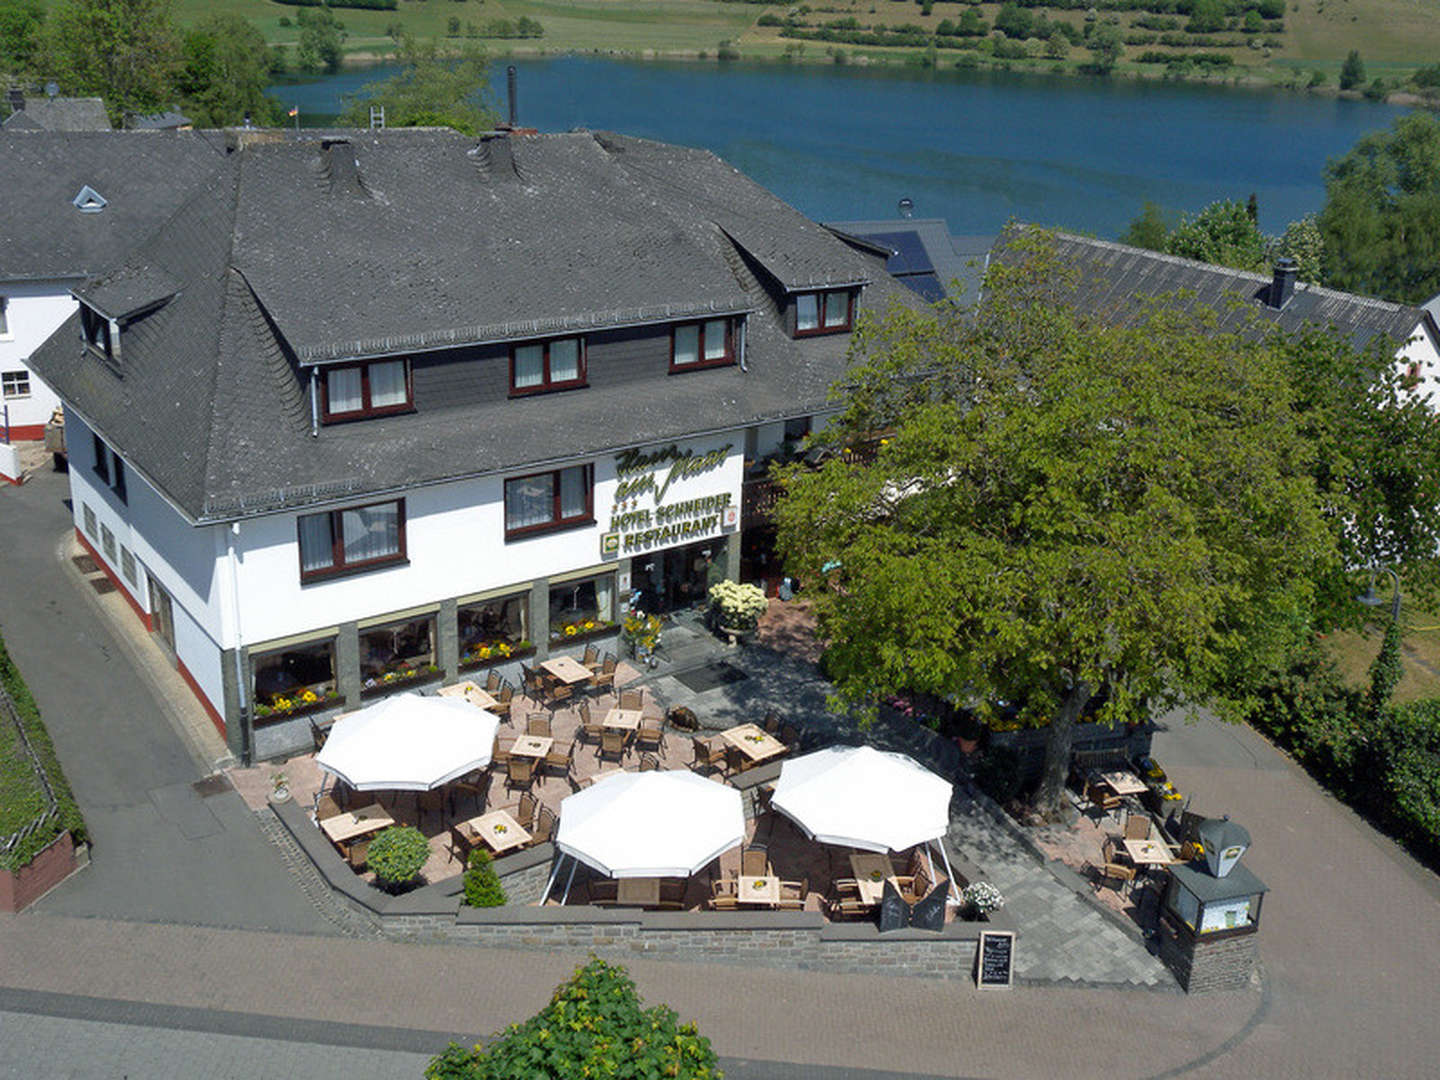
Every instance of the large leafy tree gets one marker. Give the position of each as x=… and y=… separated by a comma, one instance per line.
x=1223, y=232
x=124, y=51
x=1381, y=220
x=20, y=25
x=431, y=90
x=224, y=71
x=1060, y=507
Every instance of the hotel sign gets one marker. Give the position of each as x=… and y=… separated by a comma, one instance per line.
x=646, y=476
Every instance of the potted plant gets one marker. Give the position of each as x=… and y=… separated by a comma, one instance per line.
x=979, y=899
x=736, y=608
x=279, y=788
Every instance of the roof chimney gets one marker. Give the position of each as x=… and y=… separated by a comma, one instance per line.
x=510, y=82
x=16, y=99
x=1283, y=287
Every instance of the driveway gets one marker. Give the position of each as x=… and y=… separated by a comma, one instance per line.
x=161, y=850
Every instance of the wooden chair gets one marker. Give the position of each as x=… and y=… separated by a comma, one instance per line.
x=1112, y=869
x=503, y=701
x=735, y=760
x=500, y=756
x=591, y=658
x=462, y=842
x=538, y=724
x=724, y=895
x=544, y=830
x=1137, y=827
x=590, y=729
x=843, y=907
x=1100, y=795
x=358, y=854
x=632, y=699
x=477, y=787
x=430, y=802
x=771, y=723
x=709, y=755
x=492, y=681
x=650, y=736
x=536, y=685
x=612, y=744
x=793, y=894
x=755, y=862
x=916, y=886
x=672, y=895
x=519, y=772
x=560, y=694
x=319, y=735
x=561, y=759
x=604, y=679
x=326, y=807
x=523, y=811
x=790, y=734
x=649, y=763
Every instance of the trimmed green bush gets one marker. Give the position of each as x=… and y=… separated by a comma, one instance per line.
x=593, y=1026
x=21, y=796
x=1408, y=746
x=397, y=855
x=482, y=883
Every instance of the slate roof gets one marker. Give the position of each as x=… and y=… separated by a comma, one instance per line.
x=1113, y=280
x=166, y=120
x=143, y=177
x=292, y=252
x=59, y=114
x=947, y=266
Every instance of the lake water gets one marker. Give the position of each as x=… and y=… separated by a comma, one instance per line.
x=976, y=148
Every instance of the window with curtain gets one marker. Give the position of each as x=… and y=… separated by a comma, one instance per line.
x=702, y=344
x=345, y=541
x=578, y=608
x=298, y=678
x=354, y=391
x=557, y=364
x=559, y=499
x=827, y=312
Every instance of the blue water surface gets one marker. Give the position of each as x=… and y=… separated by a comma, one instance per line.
x=976, y=148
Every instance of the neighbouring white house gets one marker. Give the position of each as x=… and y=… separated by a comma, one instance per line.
x=74, y=204
x=377, y=408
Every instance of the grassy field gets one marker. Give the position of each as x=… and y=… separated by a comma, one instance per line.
x=1354, y=653
x=1393, y=36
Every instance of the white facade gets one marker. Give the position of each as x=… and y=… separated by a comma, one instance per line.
x=1421, y=355
x=33, y=310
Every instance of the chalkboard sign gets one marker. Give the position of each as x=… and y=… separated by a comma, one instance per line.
x=996, y=963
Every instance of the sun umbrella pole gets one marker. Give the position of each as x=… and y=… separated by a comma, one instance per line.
x=568, y=881
x=554, y=873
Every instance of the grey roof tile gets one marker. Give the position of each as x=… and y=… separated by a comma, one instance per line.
x=59, y=114
x=280, y=251
x=1114, y=280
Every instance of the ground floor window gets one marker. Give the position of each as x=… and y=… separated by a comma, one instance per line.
x=493, y=630
x=397, y=652
x=15, y=384
x=295, y=679
x=579, y=608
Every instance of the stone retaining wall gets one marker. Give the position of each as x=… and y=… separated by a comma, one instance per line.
x=1204, y=964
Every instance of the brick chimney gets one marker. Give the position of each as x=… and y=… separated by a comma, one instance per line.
x=1283, y=285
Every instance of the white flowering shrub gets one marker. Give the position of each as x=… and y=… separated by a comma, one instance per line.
x=982, y=897
x=738, y=605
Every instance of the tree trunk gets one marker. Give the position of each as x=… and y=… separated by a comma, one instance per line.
x=1057, y=748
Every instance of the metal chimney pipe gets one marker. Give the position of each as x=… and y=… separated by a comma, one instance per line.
x=510, y=90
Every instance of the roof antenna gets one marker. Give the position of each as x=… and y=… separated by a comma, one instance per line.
x=510, y=81
x=906, y=207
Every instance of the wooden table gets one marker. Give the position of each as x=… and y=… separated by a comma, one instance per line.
x=644, y=891
x=471, y=692
x=567, y=669
x=352, y=824
x=624, y=719
x=536, y=746
x=758, y=890
x=1123, y=782
x=1148, y=852
x=864, y=865
x=754, y=743
x=498, y=830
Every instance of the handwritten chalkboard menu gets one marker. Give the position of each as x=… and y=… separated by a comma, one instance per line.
x=996, y=963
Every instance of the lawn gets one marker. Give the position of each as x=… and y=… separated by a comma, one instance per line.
x=1420, y=654
x=1403, y=32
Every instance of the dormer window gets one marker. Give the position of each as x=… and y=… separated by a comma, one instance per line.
x=102, y=335
x=557, y=364
x=356, y=391
x=703, y=344
x=827, y=312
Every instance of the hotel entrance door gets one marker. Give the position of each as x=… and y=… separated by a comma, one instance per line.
x=678, y=578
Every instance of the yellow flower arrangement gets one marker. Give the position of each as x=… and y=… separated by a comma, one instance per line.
x=503, y=648
x=282, y=704
x=309, y=697
x=570, y=630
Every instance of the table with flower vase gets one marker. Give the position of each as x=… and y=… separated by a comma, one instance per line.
x=353, y=824
x=1148, y=852
x=567, y=669
x=871, y=871
x=470, y=692
x=1123, y=782
x=759, y=889
x=536, y=746
x=497, y=830
x=754, y=743
x=640, y=891
x=622, y=719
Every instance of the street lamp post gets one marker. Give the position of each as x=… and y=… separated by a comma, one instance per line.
x=1371, y=600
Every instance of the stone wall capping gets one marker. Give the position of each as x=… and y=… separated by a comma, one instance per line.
x=520, y=915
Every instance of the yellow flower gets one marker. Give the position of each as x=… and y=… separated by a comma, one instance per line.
x=570, y=630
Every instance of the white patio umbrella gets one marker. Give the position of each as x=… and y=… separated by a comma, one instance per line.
x=409, y=743
x=863, y=798
x=650, y=824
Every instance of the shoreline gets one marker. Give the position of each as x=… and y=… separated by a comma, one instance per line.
x=912, y=60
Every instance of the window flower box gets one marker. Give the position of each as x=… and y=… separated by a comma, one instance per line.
x=302, y=703
x=491, y=653
x=401, y=678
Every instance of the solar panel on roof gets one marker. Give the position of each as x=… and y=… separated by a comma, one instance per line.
x=927, y=285
x=910, y=255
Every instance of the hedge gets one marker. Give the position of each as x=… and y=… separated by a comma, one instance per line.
x=22, y=798
x=368, y=5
